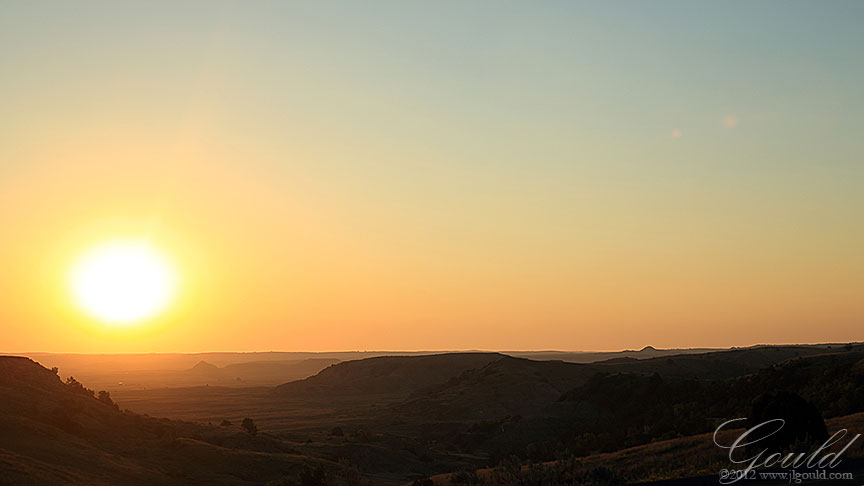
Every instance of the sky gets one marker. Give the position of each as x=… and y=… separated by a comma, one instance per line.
x=437, y=175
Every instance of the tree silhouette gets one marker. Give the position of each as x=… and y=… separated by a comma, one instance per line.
x=105, y=398
x=803, y=422
x=249, y=426
x=77, y=387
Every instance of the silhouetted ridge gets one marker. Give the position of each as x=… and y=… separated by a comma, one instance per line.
x=18, y=371
x=621, y=360
x=204, y=367
x=397, y=375
x=64, y=434
x=518, y=386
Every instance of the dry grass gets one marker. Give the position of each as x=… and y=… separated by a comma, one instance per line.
x=684, y=457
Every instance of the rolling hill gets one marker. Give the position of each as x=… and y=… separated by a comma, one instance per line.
x=60, y=433
x=402, y=417
x=393, y=376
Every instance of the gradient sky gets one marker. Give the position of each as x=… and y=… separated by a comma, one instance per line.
x=438, y=175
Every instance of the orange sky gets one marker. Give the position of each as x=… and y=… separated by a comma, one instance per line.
x=343, y=187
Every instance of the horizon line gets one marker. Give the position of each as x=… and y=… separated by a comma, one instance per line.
x=440, y=351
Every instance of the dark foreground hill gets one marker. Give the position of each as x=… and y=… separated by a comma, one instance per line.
x=57, y=433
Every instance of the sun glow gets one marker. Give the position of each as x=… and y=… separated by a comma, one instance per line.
x=123, y=282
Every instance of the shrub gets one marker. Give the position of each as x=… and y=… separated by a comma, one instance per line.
x=77, y=387
x=249, y=426
x=105, y=398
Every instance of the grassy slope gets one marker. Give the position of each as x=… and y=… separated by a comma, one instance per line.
x=53, y=434
x=684, y=457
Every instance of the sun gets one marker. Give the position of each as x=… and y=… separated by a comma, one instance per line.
x=123, y=282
